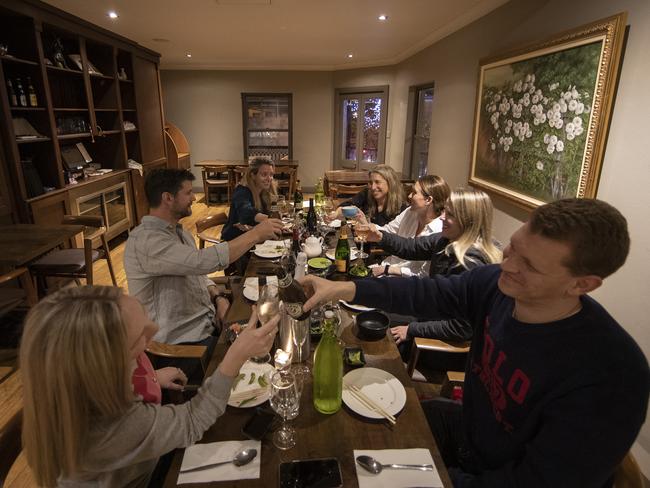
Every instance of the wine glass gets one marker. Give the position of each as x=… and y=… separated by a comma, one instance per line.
x=299, y=333
x=361, y=232
x=285, y=401
x=268, y=306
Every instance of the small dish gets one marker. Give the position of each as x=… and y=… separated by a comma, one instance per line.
x=319, y=263
x=354, y=357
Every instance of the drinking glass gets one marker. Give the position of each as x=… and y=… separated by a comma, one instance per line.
x=299, y=333
x=361, y=232
x=285, y=401
x=268, y=306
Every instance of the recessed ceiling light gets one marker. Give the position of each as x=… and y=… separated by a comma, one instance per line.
x=382, y=17
x=350, y=55
x=188, y=55
x=112, y=14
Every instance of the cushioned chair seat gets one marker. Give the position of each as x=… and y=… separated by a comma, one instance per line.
x=63, y=261
x=217, y=182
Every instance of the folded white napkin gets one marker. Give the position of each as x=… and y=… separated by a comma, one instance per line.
x=398, y=478
x=215, y=452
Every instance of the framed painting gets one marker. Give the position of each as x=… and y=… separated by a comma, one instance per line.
x=542, y=115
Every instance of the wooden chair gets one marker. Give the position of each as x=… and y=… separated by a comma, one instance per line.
x=77, y=263
x=13, y=297
x=339, y=190
x=11, y=405
x=237, y=173
x=286, y=177
x=457, y=350
x=206, y=223
x=216, y=179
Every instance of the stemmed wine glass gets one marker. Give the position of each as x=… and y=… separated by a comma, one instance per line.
x=285, y=401
x=268, y=306
x=361, y=231
x=299, y=333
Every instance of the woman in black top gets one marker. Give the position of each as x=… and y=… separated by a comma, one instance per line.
x=251, y=199
x=383, y=200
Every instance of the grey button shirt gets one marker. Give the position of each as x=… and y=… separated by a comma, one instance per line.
x=167, y=273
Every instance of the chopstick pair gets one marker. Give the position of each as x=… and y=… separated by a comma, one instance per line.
x=370, y=404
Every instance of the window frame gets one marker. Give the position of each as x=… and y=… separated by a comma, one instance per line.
x=413, y=111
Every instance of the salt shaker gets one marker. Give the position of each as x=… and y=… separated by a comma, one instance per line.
x=301, y=263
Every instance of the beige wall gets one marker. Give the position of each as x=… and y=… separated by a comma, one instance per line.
x=453, y=65
x=213, y=124
x=206, y=106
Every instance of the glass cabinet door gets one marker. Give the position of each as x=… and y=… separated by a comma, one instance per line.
x=267, y=125
x=116, y=210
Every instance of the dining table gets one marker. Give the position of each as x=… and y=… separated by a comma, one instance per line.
x=22, y=243
x=233, y=163
x=318, y=435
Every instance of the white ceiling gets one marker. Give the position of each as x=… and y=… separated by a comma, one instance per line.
x=281, y=34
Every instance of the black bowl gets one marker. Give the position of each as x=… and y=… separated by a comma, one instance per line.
x=372, y=325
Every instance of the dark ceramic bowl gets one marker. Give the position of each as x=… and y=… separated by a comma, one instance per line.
x=372, y=325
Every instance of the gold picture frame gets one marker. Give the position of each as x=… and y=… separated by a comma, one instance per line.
x=542, y=115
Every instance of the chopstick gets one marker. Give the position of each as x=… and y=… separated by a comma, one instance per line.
x=368, y=403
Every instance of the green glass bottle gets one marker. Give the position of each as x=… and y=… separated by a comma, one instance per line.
x=328, y=368
x=319, y=193
x=342, y=252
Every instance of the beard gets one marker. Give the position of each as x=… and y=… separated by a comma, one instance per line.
x=181, y=212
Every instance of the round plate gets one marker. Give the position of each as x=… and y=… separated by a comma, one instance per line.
x=268, y=252
x=242, y=386
x=251, y=293
x=378, y=385
x=356, y=308
x=319, y=263
x=354, y=254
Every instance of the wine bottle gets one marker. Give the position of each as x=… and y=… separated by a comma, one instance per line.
x=13, y=100
x=328, y=369
x=22, y=99
x=33, y=102
x=312, y=221
x=291, y=292
x=275, y=212
x=297, y=197
x=342, y=253
x=295, y=245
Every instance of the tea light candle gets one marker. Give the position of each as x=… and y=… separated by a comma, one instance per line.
x=282, y=359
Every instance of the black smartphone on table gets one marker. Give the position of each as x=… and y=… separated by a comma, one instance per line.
x=311, y=473
x=258, y=425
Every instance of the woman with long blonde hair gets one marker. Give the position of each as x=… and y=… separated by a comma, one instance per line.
x=251, y=200
x=82, y=423
x=383, y=199
x=464, y=243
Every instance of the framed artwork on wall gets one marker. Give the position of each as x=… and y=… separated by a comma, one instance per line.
x=542, y=115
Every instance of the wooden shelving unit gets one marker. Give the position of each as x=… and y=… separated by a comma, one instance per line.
x=73, y=67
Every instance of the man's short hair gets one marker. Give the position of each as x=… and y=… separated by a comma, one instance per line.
x=159, y=181
x=596, y=232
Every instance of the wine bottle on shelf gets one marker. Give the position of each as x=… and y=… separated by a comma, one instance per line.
x=33, y=101
x=22, y=99
x=342, y=253
x=275, y=212
x=297, y=197
x=13, y=100
x=291, y=292
x=312, y=221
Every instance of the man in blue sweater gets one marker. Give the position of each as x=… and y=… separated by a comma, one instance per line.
x=555, y=389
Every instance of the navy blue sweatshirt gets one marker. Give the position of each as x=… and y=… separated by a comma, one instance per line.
x=242, y=211
x=545, y=405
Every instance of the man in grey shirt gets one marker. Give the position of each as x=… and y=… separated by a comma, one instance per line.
x=167, y=273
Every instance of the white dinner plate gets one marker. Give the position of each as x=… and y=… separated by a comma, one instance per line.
x=271, y=249
x=252, y=287
x=354, y=254
x=378, y=385
x=247, y=369
x=355, y=307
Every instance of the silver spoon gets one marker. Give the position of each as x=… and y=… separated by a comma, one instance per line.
x=242, y=458
x=375, y=467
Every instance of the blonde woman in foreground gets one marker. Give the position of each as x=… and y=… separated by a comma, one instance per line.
x=82, y=423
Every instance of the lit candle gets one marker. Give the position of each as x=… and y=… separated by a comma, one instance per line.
x=282, y=359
